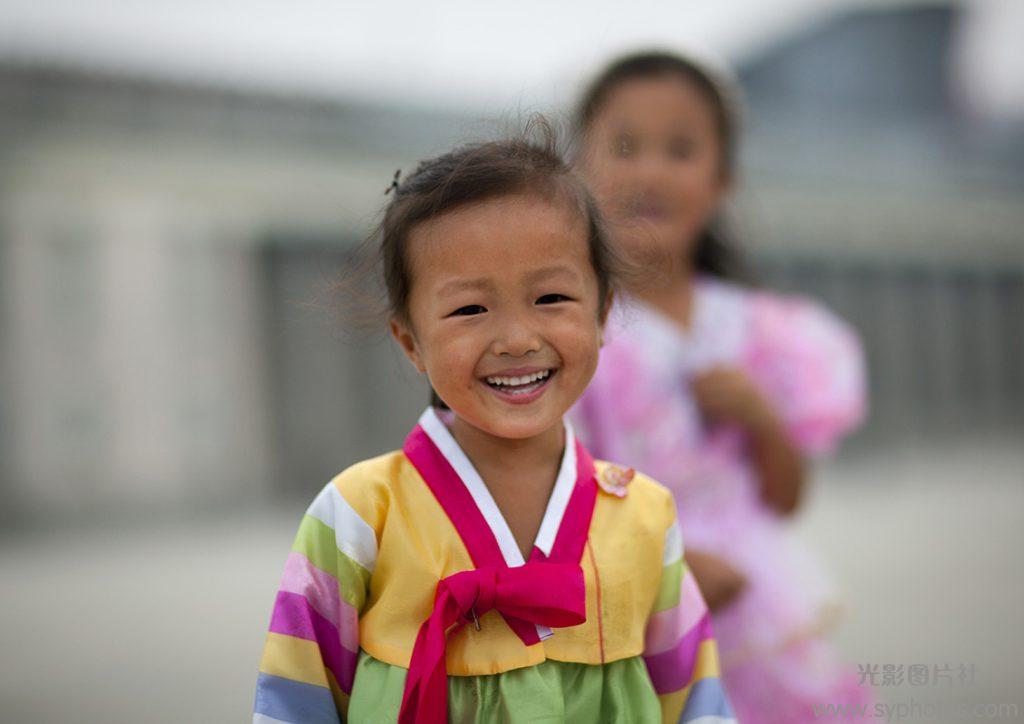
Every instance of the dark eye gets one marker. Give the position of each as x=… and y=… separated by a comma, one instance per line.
x=553, y=299
x=681, y=149
x=468, y=310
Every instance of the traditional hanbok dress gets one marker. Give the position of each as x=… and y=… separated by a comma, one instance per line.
x=639, y=409
x=406, y=598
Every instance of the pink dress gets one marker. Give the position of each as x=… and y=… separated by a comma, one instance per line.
x=639, y=411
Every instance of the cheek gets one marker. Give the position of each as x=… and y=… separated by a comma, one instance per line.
x=451, y=357
x=608, y=177
x=698, y=185
x=579, y=343
x=627, y=180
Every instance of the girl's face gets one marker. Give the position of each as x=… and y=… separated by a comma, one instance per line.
x=503, y=312
x=652, y=156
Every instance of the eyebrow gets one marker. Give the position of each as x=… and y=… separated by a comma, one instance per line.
x=484, y=284
x=553, y=271
x=460, y=285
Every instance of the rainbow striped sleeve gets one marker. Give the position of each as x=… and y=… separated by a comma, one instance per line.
x=310, y=656
x=679, y=647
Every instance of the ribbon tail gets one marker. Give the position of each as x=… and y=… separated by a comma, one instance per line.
x=425, y=699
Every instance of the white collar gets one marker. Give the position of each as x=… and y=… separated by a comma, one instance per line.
x=717, y=332
x=557, y=503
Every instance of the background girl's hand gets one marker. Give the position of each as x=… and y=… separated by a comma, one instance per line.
x=728, y=394
x=718, y=580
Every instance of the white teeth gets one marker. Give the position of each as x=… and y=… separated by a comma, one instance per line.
x=518, y=381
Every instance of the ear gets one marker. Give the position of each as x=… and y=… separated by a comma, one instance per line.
x=726, y=182
x=401, y=330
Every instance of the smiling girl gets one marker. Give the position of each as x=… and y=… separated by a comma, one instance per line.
x=491, y=570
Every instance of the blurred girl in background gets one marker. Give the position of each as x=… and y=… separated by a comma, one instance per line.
x=720, y=391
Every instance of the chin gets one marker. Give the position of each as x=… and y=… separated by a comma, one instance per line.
x=512, y=429
x=519, y=431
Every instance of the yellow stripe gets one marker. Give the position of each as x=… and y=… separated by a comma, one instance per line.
x=672, y=705
x=707, y=661
x=706, y=668
x=295, y=659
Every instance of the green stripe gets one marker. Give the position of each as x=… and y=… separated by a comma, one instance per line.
x=315, y=540
x=668, y=590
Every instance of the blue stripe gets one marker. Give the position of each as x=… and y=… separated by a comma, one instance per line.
x=707, y=698
x=294, y=701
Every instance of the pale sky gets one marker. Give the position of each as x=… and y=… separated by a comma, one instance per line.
x=467, y=53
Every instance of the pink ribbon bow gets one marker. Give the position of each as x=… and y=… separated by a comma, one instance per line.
x=550, y=594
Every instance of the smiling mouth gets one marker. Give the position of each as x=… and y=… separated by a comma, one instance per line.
x=647, y=208
x=651, y=213
x=521, y=385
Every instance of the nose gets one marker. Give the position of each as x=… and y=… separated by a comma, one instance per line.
x=651, y=169
x=646, y=174
x=514, y=336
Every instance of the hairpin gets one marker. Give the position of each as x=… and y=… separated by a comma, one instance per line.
x=394, y=182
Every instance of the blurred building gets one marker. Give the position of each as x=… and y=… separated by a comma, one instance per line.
x=875, y=180
x=164, y=250
x=166, y=340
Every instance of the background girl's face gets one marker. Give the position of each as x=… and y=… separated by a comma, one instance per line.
x=653, y=158
x=504, y=312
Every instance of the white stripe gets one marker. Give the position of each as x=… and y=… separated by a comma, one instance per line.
x=353, y=535
x=711, y=719
x=264, y=719
x=673, y=544
x=560, y=494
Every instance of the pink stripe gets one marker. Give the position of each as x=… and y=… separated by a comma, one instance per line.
x=665, y=628
x=294, y=616
x=671, y=670
x=321, y=590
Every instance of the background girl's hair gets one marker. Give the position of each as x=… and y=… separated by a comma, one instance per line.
x=716, y=252
x=530, y=162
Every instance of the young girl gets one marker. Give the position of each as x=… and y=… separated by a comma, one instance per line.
x=716, y=389
x=491, y=570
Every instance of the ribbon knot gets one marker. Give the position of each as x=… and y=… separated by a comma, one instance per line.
x=539, y=592
x=474, y=592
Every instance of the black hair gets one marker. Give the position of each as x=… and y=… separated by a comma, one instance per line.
x=715, y=252
x=530, y=162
